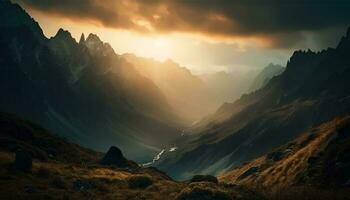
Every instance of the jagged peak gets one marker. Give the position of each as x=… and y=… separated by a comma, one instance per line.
x=93, y=38
x=95, y=44
x=61, y=33
x=344, y=43
x=82, y=39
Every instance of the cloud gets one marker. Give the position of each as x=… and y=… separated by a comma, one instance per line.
x=280, y=21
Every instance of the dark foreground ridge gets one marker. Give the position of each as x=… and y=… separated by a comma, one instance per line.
x=35, y=164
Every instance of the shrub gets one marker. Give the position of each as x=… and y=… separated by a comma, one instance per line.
x=139, y=181
x=204, y=178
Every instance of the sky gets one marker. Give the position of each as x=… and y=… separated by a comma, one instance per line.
x=204, y=35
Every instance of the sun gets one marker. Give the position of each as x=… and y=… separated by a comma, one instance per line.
x=161, y=48
x=160, y=43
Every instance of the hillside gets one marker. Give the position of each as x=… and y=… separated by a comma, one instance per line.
x=318, y=159
x=62, y=170
x=313, y=89
x=83, y=91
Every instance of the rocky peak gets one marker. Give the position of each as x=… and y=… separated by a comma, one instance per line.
x=93, y=38
x=63, y=35
x=96, y=46
x=62, y=43
x=82, y=39
x=344, y=44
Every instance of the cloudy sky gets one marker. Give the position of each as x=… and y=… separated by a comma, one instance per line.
x=203, y=35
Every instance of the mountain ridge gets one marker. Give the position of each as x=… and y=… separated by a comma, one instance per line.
x=288, y=105
x=58, y=83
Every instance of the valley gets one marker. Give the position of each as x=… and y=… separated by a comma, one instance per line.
x=83, y=119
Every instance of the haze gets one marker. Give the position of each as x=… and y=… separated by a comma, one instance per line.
x=211, y=39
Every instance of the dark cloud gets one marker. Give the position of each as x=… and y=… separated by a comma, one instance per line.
x=282, y=21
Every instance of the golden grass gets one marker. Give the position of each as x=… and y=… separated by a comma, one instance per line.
x=276, y=177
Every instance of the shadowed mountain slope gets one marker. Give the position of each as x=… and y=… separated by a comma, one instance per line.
x=83, y=91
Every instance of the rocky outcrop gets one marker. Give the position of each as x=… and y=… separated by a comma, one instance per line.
x=114, y=157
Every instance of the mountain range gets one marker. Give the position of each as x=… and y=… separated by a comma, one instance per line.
x=313, y=89
x=64, y=102
x=81, y=90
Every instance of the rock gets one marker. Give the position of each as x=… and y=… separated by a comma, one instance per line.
x=204, y=178
x=23, y=160
x=249, y=172
x=114, y=157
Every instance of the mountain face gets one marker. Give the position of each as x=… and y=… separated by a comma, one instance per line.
x=83, y=91
x=191, y=96
x=318, y=158
x=313, y=89
x=229, y=86
x=265, y=75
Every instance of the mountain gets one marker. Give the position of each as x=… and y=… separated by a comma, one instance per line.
x=190, y=95
x=228, y=86
x=59, y=169
x=319, y=158
x=265, y=75
x=313, y=89
x=193, y=96
x=82, y=91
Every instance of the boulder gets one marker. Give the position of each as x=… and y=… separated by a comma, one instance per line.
x=114, y=157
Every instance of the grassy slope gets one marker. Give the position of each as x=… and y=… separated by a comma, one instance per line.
x=314, y=164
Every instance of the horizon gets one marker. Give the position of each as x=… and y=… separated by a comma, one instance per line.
x=200, y=52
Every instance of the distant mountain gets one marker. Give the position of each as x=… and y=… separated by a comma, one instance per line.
x=318, y=158
x=229, y=86
x=314, y=88
x=265, y=76
x=191, y=96
x=83, y=91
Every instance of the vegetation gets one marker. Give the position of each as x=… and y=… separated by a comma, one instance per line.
x=139, y=181
x=204, y=178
